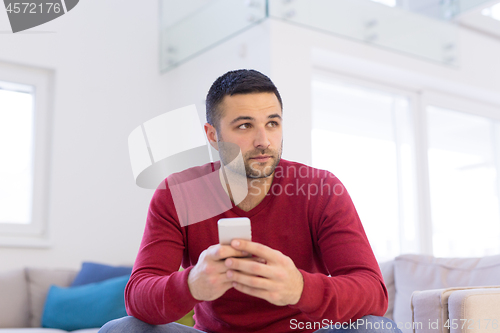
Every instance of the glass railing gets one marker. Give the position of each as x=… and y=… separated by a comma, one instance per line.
x=188, y=28
x=374, y=23
x=203, y=25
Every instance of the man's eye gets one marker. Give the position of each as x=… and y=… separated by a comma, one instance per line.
x=273, y=123
x=244, y=126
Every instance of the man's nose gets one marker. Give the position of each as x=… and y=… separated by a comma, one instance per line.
x=261, y=139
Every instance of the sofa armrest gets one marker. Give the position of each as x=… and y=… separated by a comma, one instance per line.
x=430, y=309
x=14, y=299
x=475, y=311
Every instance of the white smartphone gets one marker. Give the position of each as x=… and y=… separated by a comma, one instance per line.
x=231, y=228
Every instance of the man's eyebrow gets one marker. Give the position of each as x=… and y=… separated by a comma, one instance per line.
x=241, y=118
x=271, y=116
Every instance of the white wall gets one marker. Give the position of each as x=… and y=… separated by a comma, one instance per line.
x=105, y=58
x=107, y=82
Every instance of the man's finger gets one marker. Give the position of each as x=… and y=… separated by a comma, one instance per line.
x=249, y=280
x=219, y=252
x=259, y=250
x=254, y=259
x=260, y=293
x=251, y=267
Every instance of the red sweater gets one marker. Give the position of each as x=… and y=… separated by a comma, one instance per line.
x=307, y=215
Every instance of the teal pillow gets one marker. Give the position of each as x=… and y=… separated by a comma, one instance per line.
x=88, y=306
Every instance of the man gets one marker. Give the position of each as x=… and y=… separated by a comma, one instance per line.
x=311, y=264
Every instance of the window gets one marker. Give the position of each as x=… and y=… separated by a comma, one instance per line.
x=364, y=137
x=16, y=148
x=390, y=3
x=463, y=154
x=493, y=11
x=423, y=170
x=24, y=147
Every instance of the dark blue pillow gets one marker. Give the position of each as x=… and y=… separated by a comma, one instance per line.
x=87, y=306
x=92, y=272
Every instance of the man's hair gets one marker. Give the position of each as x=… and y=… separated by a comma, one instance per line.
x=241, y=81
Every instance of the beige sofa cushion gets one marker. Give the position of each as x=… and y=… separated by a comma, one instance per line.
x=39, y=282
x=420, y=272
x=13, y=299
x=477, y=306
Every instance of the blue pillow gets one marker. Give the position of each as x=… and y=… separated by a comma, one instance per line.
x=88, y=306
x=93, y=272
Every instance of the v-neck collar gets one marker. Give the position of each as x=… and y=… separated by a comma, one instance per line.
x=254, y=211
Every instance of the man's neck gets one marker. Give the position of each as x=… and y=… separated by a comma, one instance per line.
x=256, y=190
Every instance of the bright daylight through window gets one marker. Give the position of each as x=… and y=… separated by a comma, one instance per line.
x=390, y=3
x=16, y=149
x=463, y=183
x=364, y=138
x=493, y=11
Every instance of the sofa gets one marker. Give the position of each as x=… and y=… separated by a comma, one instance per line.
x=443, y=295
x=64, y=300
x=421, y=289
x=22, y=298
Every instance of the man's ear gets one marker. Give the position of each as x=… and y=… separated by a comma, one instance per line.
x=211, y=135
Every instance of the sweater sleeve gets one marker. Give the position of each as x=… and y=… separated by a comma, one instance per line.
x=157, y=293
x=355, y=287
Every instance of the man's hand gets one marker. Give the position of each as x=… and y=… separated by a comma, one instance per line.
x=208, y=280
x=278, y=281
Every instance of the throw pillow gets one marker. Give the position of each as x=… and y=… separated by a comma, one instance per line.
x=93, y=272
x=87, y=306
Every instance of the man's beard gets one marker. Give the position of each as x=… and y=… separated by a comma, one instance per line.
x=252, y=167
x=229, y=152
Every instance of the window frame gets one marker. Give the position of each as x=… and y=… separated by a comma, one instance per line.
x=34, y=234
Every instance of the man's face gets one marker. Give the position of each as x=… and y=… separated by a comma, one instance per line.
x=254, y=123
